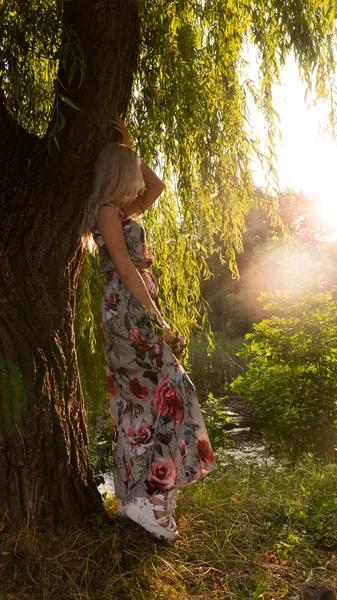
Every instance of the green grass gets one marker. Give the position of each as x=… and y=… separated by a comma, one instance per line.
x=247, y=534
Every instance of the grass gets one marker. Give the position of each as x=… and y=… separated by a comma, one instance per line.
x=247, y=534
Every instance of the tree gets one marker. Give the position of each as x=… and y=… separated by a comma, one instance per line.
x=65, y=68
x=44, y=464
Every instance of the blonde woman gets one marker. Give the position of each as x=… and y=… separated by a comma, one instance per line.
x=159, y=438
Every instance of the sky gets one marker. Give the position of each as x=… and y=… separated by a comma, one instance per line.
x=307, y=157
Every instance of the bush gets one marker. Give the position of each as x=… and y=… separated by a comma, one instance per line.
x=291, y=379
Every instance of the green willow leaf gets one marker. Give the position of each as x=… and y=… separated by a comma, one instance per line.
x=69, y=102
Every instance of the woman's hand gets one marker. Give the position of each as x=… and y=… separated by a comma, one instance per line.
x=174, y=339
x=122, y=131
x=167, y=332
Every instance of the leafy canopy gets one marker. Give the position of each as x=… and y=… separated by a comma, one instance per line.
x=189, y=114
x=190, y=111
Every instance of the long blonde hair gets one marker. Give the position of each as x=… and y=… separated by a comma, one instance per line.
x=117, y=179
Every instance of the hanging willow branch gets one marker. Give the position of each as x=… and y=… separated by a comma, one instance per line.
x=189, y=113
x=190, y=117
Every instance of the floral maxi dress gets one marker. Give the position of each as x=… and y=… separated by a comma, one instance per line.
x=159, y=439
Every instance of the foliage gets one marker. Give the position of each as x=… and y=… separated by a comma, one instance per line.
x=91, y=366
x=213, y=369
x=228, y=309
x=39, y=57
x=190, y=106
x=100, y=443
x=291, y=379
x=15, y=389
x=189, y=111
x=90, y=356
x=217, y=420
x=249, y=533
x=30, y=33
x=288, y=265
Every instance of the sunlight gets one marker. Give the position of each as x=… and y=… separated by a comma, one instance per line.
x=289, y=269
x=311, y=168
x=286, y=271
x=307, y=155
x=307, y=158
x=328, y=209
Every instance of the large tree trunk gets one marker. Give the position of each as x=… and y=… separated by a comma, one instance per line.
x=45, y=475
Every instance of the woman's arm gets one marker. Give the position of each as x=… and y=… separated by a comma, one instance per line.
x=153, y=188
x=153, y=185
x=111, y=229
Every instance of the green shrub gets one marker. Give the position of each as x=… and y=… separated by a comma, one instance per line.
x=217, y=420
x=291, y=379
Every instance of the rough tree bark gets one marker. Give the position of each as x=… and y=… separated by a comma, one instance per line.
x=45, y=475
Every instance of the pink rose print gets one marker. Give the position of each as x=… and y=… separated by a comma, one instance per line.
x=182, y=447
x=141, y=437
x=112, y=390
x=163, y=475
x=128, y=472
x=149, y=284
x=114, y=432
x=167, y=400
x=146, y=253
x=111, y=301
x=137, y=389
x=122, y=213
x=140, y=343
x=158, y=350
x=205, y=451
x=177, y=344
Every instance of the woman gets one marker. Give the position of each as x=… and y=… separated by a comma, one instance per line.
x=159, y=438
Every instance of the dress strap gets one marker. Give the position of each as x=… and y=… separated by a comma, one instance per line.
x=118, y=210
x=112, y=205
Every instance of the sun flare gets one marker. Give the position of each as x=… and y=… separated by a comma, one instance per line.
x=307, y=155
x=327, y=211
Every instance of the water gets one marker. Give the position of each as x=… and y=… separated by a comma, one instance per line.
x=243, y=445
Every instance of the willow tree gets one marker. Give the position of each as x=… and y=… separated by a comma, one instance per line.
x=178, y=68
